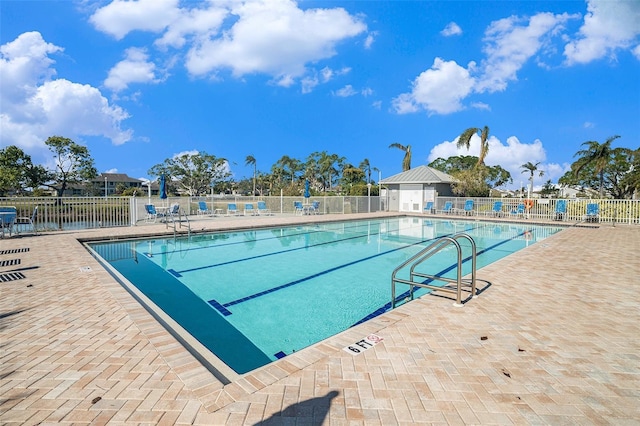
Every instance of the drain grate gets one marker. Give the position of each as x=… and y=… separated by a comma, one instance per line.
x=11, y=276
x=10, y=262
x=14, y=251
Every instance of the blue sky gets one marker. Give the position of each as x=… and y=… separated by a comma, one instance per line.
x=141, y=81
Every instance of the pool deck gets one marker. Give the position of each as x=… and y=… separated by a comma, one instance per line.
x=555, y=339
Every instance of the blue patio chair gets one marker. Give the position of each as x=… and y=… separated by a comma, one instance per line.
x=593, y=213
x=561, y=210
x=232, y=209
x=468, y=208
x=202, y=208
x=249, y=210
x=298, y=207
x=496, y=211
x=152, y=214
x=448, y=207
x=315, y=207
x=428, y=208
x=518, y=211
x=8, y=216
x=262, y=209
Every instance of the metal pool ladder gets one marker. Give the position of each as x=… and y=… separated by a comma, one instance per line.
x=425, y=254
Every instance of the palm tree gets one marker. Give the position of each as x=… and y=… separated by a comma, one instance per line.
x=531, y=168
x=597, y=154
x=251, y=160
x=406, y=161
x=465, y=141
x=365, y=166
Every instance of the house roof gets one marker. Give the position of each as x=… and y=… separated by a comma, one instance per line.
x=420, y=174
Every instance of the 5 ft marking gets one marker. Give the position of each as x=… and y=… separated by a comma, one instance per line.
x=364, y=344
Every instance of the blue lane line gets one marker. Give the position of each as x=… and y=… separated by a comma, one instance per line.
x=261, y=239
x=327, y=271
x=275, y=253
x=224, y=311
x=387, y=306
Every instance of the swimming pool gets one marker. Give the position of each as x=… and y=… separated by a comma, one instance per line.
x=257, y=295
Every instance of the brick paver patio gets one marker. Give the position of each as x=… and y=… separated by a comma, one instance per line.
x=555, y=339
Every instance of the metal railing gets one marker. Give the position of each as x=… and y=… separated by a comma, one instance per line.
x=610, y=211
x=75, y=213
x=424, y=255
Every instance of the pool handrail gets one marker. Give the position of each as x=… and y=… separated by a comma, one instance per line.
x=425, y=254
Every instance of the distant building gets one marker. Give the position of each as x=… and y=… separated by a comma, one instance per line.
x=409, y=191
x=109, y=182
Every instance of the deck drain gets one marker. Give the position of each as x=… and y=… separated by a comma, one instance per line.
x=85, y=269
x=10, y=262
x=11, y=276
x=14, y=251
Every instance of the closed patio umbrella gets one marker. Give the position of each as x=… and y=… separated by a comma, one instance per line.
x=307, y=194
x=163, y=188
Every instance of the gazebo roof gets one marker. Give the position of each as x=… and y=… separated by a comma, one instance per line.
x=420, y=174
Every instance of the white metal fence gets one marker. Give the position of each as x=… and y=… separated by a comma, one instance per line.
x=610, y=211
x=70, y=213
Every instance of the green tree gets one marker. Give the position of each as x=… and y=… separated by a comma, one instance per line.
x=17, y=172
x=549, y=189
x=195, y=173
x=365, y=166
x=406, y=161
x=465, y=141
x=473, y=180
x=531, y=168
x=596, y=154
x=73, y=164
x=251, y=161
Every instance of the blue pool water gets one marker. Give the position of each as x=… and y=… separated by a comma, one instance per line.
x=254, y=296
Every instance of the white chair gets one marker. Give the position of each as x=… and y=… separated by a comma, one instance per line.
x=28, y=221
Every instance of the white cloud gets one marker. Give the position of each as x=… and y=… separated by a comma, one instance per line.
x=24, y=63
x=274, y=37
x=135, y=68
x=451, y=29
x=510, y=44
x=43, y=106
x=367, y=91
x=636, y=52
x=588, y=125
x=346, y=91
x=368, y=42
x=608, y=26
x=510, y=156
x=438, y=90
x=120, y=17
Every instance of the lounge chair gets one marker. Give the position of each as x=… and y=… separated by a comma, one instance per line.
x=561, y=210
x=428, y=208
x=8, y=216
x=518, y=211
x=496, y=211
x=249, y=210
x=23, y=221
x=298, y=207
x=593, y=213
x=232, y=209
x=152, y=214
x=468, y=208
x=262, y=209
x=202, y=208
x=173, y=213
x=448, y=207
